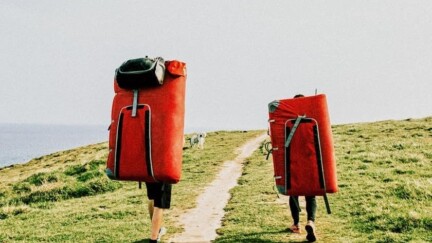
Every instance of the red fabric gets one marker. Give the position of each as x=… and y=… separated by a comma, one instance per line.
x=166, y=105
x=133, y=156
x=304, y=173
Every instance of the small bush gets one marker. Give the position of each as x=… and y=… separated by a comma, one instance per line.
x=35, y=179
x=427, y=224
x=89, y=175
x=53, y=195
x=3, y=215
x=75, y=170
x=362, y=167
x=406, y=160
x=403, y=172
x=43, y=205
x=19, y=210
x=352, y=130
x=70, y=191
x=402, y=192
x=95, y=164
x=398, y=146
x=413, y=191
x=93, y=188
x=80, y=190
x=102, y=186
x=40, y=178
x=21, y=187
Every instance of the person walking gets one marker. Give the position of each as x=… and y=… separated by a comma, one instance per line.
x=311, y=207
x=310, y=211
x=159, y=199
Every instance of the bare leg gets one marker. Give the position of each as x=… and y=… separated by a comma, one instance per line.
x=157, y=219
x=151, y=208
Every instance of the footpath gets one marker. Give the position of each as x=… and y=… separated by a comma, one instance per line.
x=201, y=222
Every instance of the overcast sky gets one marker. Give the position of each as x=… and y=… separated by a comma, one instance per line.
x=373, y=59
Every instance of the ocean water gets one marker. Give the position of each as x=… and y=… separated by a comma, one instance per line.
x=20, y=143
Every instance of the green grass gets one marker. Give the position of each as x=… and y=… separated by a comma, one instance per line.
x=66, y=197
x=386, y=179
x=254, y=213
x=75, y=181
x=385, y=183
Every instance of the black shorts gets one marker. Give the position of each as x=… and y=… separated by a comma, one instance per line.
x=160, y=193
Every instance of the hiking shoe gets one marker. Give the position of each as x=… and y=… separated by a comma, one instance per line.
x=310, y=229
x=295, y=228
x=162, y=231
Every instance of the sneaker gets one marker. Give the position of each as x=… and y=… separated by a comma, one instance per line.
x=162, y=231
x=310, y=229
x=295, y=228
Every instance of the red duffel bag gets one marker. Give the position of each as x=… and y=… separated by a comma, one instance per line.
x=147, y=125
x=302, y=146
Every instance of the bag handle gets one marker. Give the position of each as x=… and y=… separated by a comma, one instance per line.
x=138, y=72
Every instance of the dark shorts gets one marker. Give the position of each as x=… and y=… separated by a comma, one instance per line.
x=160, y=193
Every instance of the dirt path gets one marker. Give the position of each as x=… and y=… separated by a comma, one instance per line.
x=201, y=222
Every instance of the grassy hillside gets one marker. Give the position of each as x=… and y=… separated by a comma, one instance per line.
x=384, y=174
x=65, y=196
x=385, y=182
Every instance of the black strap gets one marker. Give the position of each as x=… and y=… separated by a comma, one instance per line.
x=288, y=139
x=318, y=157
x=268, y=149
x=318, y=153
x=118, y=146
x=147, y=143
x=321, y=167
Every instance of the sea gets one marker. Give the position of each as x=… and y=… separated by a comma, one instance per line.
x=20, y=143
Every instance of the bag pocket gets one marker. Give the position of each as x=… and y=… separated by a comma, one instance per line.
x=133, y=159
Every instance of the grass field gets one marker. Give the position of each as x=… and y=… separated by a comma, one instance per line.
x=384, y=175
x=385, y=182
x=65, y=196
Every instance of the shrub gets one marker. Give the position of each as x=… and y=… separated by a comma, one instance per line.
x=95, y=164
x=102, y=186
x=92, y=188
x=21, y=187
x=3, y=215
x=44, y=196
x=40, y=178
x=75, y=170
x=70, y=191
x=86, y=176
x=402, y=192
x=413, y=191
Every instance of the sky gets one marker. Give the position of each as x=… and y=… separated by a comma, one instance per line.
x=372, y=59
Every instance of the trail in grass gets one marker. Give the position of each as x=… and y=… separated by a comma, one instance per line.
x=201, y=223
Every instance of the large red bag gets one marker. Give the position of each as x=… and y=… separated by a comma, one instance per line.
x=302, y=146
x=147, y=125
